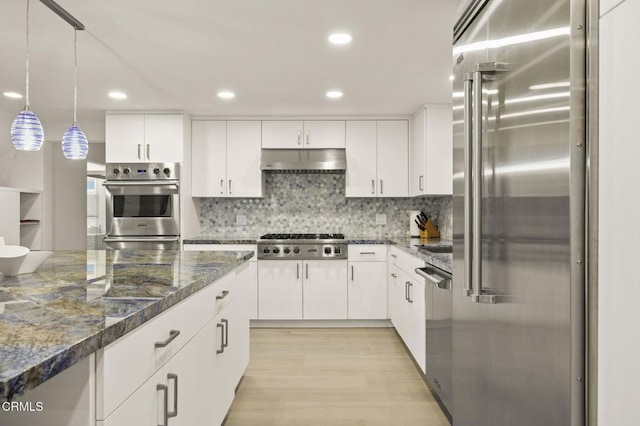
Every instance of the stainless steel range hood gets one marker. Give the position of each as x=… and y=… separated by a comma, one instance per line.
x=303, y=159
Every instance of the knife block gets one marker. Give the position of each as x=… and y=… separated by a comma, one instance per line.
x=431, y=230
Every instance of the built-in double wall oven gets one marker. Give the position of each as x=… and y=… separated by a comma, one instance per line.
x=143, y=206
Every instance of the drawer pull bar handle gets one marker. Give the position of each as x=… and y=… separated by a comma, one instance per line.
x=367, y=252
x=174, y=377
x=226, y=333
x=172, y=335
x=224, y=294
x=164, y=389
x=221, y=350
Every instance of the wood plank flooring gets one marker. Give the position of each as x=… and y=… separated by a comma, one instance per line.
x=337, y=377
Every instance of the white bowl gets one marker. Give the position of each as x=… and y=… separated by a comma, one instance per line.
x=33, y=261
x=12, y=259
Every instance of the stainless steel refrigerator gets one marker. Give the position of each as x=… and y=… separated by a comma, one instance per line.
x=519, y=224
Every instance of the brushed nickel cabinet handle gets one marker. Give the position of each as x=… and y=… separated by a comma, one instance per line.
x=173, y=377
x=221, y=186
x=225, y=293
x=148, y=152
x=351, y=272
x=172, y=335
x=139, y=158
x=226, y=333
x=221, y=350
x=165, y=390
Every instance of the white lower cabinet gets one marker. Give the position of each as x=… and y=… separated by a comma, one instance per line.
x=324, y=289
x=296, y=289
x=195, y=384
x=367, y=281
x=168, y=397
x=280, y=289
x=407, y=310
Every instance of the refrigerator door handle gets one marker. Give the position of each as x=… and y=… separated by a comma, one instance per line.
x=468, y=170
x=478, y=296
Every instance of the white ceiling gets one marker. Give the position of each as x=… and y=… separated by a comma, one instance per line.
x=274, y=54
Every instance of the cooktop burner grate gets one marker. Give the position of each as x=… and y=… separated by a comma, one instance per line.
x=302, y=237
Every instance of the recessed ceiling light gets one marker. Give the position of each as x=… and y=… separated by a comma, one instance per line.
x=334, y=94
x=340, y=38
x=452, y=77
x=118, y=95
x=225, y=94
x=13, y=95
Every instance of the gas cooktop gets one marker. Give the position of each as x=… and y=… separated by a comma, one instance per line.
x=302, y=246
x=302, y=237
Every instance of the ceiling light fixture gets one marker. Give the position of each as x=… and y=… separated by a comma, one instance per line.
x=74, y=142
x=452, y=77
x=334, y=94
x=225, y=94
x=27, y=133
x=340, y=38
x=118, y=95
x=12, y=95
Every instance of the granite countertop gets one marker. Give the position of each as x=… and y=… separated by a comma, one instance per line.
x=78, y=302
x=443, y=261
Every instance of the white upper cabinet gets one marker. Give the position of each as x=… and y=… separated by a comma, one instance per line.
x=432, y=152
x=144, y=138
x=377, y=158
x=361, y=173
x=393, y=158
x=324, y=134
x=303, y=134
x=226, y=159
x=208, y=158
x=244, y=177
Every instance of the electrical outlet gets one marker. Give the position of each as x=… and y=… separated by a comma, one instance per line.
x=241, y=219
x=381, y=219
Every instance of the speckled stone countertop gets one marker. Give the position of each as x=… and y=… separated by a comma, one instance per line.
x=443, y=261
x=79, y=302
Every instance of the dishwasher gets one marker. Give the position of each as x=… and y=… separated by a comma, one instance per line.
x=438, y=307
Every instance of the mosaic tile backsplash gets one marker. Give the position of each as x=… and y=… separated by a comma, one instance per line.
x=316, y=202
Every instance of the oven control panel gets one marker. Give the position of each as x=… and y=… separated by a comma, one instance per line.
x=142, y=171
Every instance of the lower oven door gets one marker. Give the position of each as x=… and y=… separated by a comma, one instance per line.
x=143, y=243
x=143, y=208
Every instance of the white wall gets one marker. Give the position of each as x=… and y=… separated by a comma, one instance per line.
x=619, y=203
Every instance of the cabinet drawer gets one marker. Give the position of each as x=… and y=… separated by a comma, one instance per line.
x=406, y=262
x=367, y=253
x=224, y=247
x=125, y=364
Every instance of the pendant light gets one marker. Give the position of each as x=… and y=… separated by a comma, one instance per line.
x=74, y=142
x=27, y=133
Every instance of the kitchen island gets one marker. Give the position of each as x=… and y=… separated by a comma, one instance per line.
x=78, y=305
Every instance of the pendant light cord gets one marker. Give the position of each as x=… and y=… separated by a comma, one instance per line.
x=27, y=78
x=75, y=76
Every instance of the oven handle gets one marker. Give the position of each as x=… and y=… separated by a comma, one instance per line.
x=143, y=183
x=139, y=239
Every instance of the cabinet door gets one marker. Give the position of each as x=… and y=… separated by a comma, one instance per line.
x=393, y=158
x=417, y=154
x=145, y=407
x=124, y=138
x=163, y=135
x=181, y=377
x=244, y=177
x=416, y=323
x=367, y=290
x=10, y=216
x=361, y=159
x=324, y=134
x=395, y=295
x=207, y=342
x=280, y=289
x=325, y=289
x=439, y=151
x=208, y=158
x=282, y=134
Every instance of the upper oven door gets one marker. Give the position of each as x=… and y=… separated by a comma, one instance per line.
x=136, y=208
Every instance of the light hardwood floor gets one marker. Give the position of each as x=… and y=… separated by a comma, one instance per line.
x=336, y=377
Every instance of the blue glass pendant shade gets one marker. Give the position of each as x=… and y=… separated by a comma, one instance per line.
x=26, y=132
x=74, y=144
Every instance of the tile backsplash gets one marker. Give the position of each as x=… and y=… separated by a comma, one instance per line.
x=316, y=202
